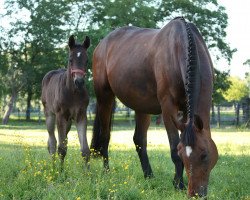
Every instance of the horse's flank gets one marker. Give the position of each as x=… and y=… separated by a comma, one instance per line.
x=62, y=95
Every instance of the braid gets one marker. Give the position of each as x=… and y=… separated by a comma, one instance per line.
x=191, y=87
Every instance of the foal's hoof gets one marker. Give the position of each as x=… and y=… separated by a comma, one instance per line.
x=148, y=176
x=95, y=153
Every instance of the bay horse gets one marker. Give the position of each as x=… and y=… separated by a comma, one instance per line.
x=65, y=98
x=155, y=71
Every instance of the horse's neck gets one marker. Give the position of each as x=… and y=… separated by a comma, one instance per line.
x=69, y=81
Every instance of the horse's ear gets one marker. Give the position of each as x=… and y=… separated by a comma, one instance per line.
x=71, y=41
x=86, y=42
x=198, y=122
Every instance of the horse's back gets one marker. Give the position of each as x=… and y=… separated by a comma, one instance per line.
x=121, y=62
x=50, y=84
x=47, y=78
x=142, y=66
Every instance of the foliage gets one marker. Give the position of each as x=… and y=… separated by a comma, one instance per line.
x=247, y=75
x=237, y=91
x=39, y=38
x=221, y=85
x=113, y=14
x=208, y=16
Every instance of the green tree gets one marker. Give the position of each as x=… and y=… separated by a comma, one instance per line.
x=112, y=14
x=247, y=75
x=38, y=39
x=221, y=85
x=207, y=15
x=236, y=92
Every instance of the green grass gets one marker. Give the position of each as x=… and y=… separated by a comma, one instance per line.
x=26, y=170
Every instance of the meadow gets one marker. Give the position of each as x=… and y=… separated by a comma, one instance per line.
x=26, y=170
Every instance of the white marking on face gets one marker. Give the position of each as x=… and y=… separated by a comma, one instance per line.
x=188, y=150
x=78, y=54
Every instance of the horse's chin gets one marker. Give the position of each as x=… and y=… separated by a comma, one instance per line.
x=79, y=85
x=79, y=88
x=201, y=193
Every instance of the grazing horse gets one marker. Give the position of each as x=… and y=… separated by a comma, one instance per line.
x=155, y=71
x=65, y=98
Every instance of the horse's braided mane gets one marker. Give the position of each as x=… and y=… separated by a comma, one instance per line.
x=191, y=87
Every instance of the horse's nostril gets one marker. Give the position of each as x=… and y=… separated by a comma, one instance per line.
x=79, y=83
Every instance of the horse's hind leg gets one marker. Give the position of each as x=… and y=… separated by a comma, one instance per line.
x=50, y=123
x=81, y=125
x=140, y=140
x=102, y=125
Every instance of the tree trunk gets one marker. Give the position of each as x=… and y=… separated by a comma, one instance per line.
x=9, y=108
x=218, y=113
x=28, y=109
x=213, y=114
x=237, y=114
x=246, y=111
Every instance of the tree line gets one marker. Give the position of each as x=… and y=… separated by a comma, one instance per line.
x=34, y=40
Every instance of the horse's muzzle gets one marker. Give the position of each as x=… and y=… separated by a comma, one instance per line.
x=201, y=193
x=79, y=83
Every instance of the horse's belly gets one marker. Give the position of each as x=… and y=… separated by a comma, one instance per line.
x=138, y=98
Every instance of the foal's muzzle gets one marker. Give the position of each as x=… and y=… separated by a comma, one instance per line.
x=79, y=83
x=78, y=77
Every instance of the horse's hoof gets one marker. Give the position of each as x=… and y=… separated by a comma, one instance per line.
x=95, y=153
x=149, y=176
x=179, y=185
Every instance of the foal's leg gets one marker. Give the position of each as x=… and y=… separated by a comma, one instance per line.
x=50, y=123
x=174, y=140
x=140, y=140
x=81, y=125
x=63, y=126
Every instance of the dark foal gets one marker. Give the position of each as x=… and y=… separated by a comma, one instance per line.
x=155, y=71
x=65, y=98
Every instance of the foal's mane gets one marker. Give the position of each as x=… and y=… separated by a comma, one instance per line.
x=192, y=86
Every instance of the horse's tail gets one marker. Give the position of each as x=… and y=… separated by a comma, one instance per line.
x=96, y=142
x=192, y=86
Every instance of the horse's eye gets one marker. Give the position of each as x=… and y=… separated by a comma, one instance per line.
x=204, y=157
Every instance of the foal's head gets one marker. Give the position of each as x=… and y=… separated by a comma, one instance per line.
x=78, y=60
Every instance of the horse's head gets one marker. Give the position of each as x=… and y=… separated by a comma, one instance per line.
x=78, y=60
x=198, y=159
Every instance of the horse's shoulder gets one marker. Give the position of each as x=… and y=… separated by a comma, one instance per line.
x=54, y=72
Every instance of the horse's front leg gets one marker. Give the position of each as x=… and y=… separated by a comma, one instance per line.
x=140, y=140
x=63, y=127
x=168, y=111
x=81, y=126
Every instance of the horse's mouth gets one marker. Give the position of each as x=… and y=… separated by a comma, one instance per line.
x=201, y=193
x=79, y=83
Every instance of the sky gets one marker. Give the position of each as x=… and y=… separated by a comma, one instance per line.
x=238, y=35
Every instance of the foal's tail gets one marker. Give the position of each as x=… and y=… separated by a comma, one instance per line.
x=97, y=141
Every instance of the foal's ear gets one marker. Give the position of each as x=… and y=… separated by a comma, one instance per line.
x=71, y=41
x=86, y=42
x=198, y=122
